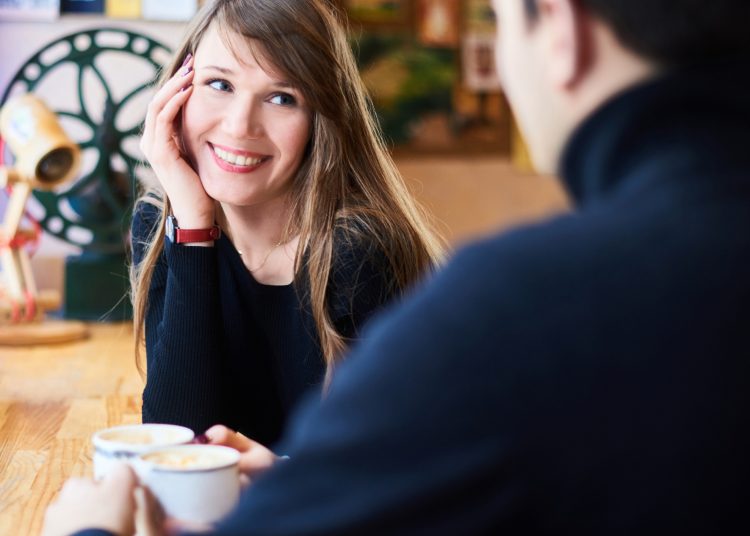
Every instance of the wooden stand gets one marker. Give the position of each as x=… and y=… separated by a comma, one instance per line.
x=46, y=332
x=41, y=330
x=22, y=306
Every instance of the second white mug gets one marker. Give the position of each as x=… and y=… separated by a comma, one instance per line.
x=193, y=483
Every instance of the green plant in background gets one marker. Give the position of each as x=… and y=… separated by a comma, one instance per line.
x=378, y=10
x=407, y=81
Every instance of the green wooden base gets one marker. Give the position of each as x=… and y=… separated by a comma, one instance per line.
x=96, y=288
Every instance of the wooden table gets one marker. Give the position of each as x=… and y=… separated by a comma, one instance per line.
x=52, y=398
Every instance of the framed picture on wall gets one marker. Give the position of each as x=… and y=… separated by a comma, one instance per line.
x=438, y=22
x=19, y=10
x=478, y=60
x=379, y=12
x=176, y=10
x=82, y=6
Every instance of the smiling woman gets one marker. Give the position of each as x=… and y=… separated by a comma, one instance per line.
x=289, y=225
x=245, y=129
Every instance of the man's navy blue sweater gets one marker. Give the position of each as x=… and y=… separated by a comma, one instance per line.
x=589, y=375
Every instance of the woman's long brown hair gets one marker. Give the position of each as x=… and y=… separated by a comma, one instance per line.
x=347, y=181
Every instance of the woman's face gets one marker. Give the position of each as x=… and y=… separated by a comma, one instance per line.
x=245, y=129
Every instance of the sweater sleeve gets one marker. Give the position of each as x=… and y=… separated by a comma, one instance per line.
x=183, y=332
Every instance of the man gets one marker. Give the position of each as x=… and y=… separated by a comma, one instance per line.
x=588, y=375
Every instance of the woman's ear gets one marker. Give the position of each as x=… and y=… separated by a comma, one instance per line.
x=566, y=36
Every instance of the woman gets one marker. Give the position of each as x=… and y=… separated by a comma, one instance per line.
x=287, y=224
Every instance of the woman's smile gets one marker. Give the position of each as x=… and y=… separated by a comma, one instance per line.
x=236, y=161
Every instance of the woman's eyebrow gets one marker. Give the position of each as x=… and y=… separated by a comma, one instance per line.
x=222, y=70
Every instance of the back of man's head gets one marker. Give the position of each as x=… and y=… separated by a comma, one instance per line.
x=673, y=32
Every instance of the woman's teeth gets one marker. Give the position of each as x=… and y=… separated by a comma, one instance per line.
x=236, y=159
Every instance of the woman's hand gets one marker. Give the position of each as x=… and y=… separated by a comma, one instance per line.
x=160, y=142
x=254, y=457
x=83, y=503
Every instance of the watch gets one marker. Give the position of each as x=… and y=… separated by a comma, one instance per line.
x=190, y=236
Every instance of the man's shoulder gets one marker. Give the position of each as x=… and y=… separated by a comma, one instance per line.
x=498, y=278
x=526, y=248
x=555, y=267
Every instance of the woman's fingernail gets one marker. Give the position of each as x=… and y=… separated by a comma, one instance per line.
x=186, y=71
x=201, y=439
x=186, y=60
x=186, y=88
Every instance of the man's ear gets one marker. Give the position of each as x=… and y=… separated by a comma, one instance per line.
x=566, y=41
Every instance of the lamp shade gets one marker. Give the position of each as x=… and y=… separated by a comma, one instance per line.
x=45, y=155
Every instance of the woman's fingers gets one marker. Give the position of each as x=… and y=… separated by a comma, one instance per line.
x=164, y=126
x=159, y=126
x=221, y=435
x=172, y=86
x=254, y=457
x=163, y=98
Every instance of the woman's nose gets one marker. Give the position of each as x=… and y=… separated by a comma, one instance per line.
x=243, y=120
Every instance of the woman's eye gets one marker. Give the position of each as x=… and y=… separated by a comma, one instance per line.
x=219, y=85
x=284, y=99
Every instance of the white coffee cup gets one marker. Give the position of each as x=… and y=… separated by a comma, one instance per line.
x=123, y=443
x=193, y=483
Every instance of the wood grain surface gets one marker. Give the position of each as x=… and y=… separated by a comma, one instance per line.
x=52, y=398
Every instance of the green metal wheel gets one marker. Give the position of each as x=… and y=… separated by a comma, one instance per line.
x=104, y=114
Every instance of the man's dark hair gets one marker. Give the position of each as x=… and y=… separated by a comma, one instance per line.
x=673, y=32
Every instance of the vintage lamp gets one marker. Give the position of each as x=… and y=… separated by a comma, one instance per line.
x=45, y=158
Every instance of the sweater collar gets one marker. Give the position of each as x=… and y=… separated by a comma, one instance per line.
x=700, y=112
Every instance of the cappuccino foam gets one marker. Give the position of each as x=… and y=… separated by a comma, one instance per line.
x=132, y=437
x=184, y=460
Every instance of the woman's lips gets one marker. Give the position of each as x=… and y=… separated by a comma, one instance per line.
x=236, y=161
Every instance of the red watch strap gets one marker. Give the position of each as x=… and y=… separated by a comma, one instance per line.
x=189, y=236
